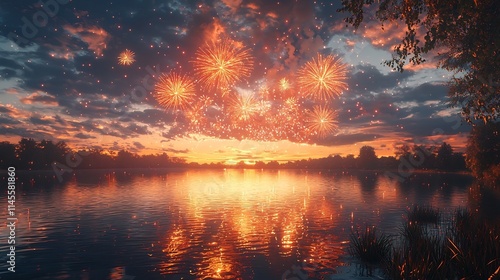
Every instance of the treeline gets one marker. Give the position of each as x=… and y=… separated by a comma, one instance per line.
x=29, y=154
x=418, y=157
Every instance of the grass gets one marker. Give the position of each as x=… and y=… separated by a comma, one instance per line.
x=425, y=214
x=468, y=249
x=474, y=246
x=371, y=249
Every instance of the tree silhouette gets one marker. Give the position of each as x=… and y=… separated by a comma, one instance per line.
x=444, y=157
x=403, y=151
x=125, y=159
x=31, y=155
x=483, y=149
x=26, y=151
x=48, y=153
x=8, y=158
x=367, y=157
x=465, y=32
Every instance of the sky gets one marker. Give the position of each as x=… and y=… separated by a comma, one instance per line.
x=61, y=80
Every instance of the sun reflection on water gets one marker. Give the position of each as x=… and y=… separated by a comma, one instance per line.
x=242, y=213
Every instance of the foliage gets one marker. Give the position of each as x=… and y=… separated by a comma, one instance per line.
x=465, y=33
x=483, y=150
x=468, y=249
x=367, y=157
x=430, y=157
x=29, y=154
x=423, y=215
x=369, y=248
x=474, y=245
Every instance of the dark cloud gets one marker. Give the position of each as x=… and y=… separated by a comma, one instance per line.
x=367, y=78
x=138, y=145
x=39, y=121
x=4, y=120
x=25, y=133
x=347, y=139
x=9, y=63
x=175, y=151
x=84, y=136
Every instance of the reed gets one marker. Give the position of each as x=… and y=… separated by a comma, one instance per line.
x=425, y=214
x=370, y=248
x=468, y=249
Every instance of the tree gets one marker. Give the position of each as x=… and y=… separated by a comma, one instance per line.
x=125, y=159
x=403, y=151
x=466, y=34
x=26, y=151
x=444, y=157
x=367, y=157
x=8, y=158
x=483, y=149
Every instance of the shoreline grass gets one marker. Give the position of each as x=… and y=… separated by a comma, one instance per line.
x=468, y=249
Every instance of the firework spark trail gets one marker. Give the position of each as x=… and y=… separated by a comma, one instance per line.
x=321, y=120
x=126, y=57
x=243, y=107
x=323, y=78
x=284, y=84
x=174, y=91
x=221, y=64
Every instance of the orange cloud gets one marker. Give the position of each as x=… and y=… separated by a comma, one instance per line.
x=233, y=4
x=11, y=91
x=213, y=31
x=39, y=97
x=95, y=37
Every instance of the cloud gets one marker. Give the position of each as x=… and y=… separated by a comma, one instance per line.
x=4, y=120
x=84, y=136
x=95, y=37
x=39, y=97
x=138, y=145
x=36, y=120
x=347, y=139
x=176, y=151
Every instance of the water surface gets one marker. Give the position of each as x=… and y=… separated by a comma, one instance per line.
x=208, y=224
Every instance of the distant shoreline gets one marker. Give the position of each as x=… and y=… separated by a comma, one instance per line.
x=349, y=170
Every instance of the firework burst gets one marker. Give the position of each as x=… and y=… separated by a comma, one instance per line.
x=243, y=107
x=126, y=57
x=284, y=84
x=323, y=78
x=321, y=120
x=223, y=63
x=174, y=91
x=291, y=104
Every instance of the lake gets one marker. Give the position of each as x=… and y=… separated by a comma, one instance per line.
x=208, y=224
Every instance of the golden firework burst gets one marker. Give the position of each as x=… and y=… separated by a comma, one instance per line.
x=174, y=90
x=221, y=64
x=243, y=107
x=284, y=84
x=321, y=120
x=126, y=57
x=323, y=78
